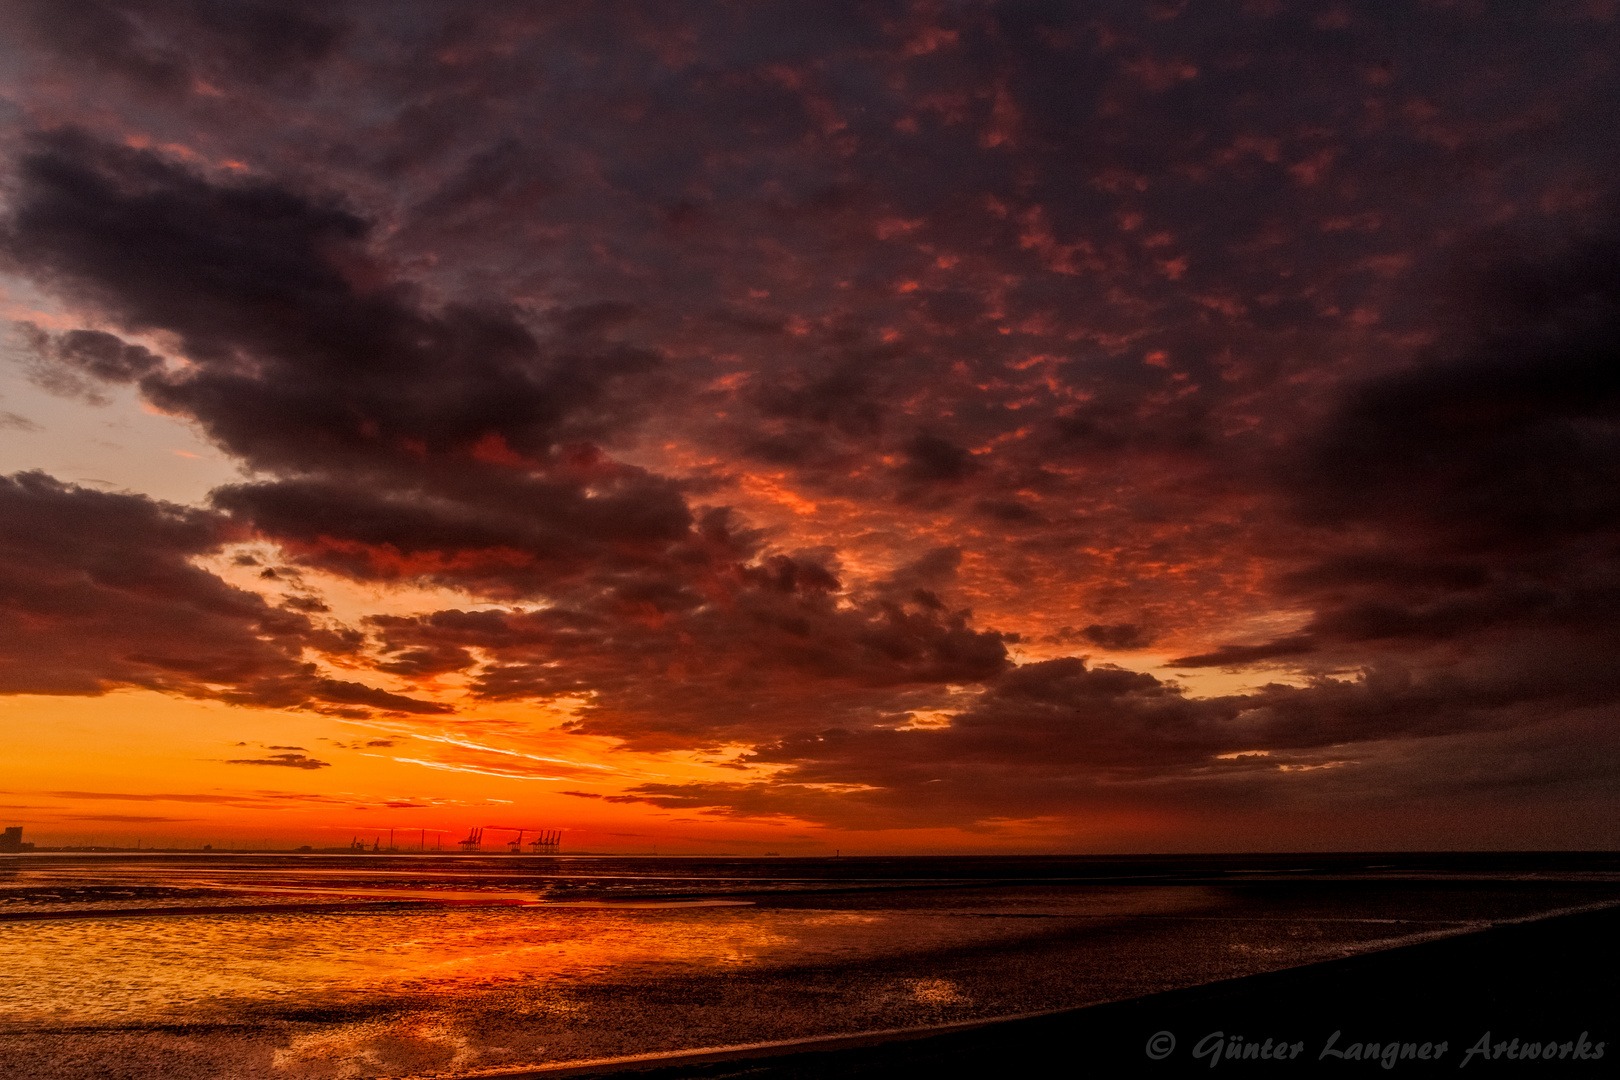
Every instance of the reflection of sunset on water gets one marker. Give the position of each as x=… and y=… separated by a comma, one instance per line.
x=720, y=447
x=214, y=966
x=614, y=957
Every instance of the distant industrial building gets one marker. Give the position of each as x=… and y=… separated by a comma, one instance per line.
x=12, y=840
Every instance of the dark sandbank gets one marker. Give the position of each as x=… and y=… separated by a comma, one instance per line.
x=1550, y=985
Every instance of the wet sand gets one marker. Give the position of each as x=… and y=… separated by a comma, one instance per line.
x=422, y=968
x=1536, y=998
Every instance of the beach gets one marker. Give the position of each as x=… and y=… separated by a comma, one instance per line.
x=311, y=967
x=1507, y=998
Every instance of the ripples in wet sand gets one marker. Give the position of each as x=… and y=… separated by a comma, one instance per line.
x=309, y=968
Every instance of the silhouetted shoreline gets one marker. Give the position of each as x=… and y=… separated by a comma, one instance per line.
x=1503, y=989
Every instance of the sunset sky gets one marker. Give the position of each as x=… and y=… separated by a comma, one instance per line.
x=877, y=427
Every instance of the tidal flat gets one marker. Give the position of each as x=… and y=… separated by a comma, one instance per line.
x=319, y=966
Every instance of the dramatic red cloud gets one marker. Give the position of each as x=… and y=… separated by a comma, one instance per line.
x=937, y=416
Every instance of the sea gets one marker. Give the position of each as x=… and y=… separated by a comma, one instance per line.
x=416, y=965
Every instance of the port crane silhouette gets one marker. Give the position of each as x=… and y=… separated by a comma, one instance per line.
x=545, y=842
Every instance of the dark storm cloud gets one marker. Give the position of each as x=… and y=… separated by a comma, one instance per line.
x=1142, y=322
x=933, y=459
x=1476, y=491
x=734, y=648
x=296, y=364
x=844, y=399
x=1060, y=737
x=1234, y=655
x=74, y=363
x=490, y=529
x=99, y=590
x=165, y=47
x=1112, y=635
x=342, y=692
x=1010, y=512
x=100, y=593
x=103, y=356
x=1508, y=448
x=430, y=443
